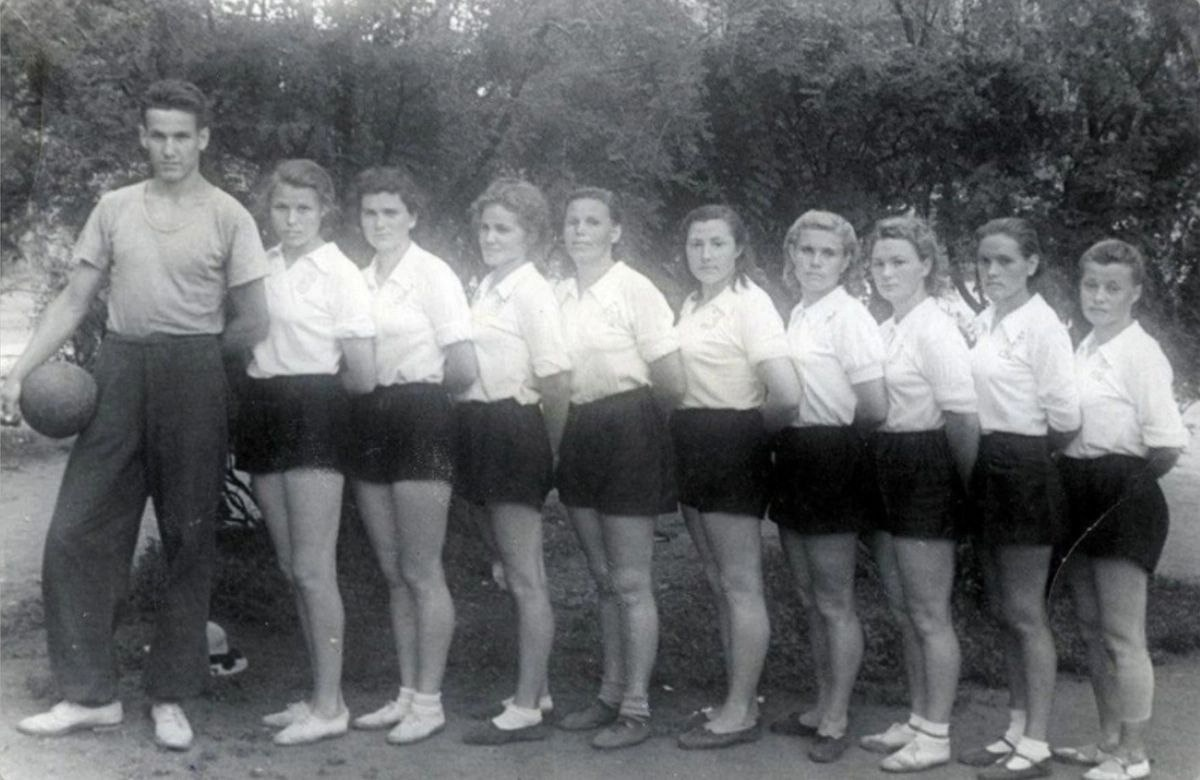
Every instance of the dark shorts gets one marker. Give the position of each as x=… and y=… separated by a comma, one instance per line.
x=1016, y=493
x=616, y=457
x=502, y=453
x=290, y=422
x=722, y=460
x=822, y=482
x=1116, y=509
x=920, y=492
x=402, y=433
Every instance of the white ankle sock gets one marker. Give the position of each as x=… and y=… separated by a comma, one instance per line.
x=939, y=730
x=1016, y=726
x=406, y=695
x=1033, y=749
x=515, y=717
x=427, y=701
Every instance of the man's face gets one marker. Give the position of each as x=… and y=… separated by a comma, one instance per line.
x=174, y=143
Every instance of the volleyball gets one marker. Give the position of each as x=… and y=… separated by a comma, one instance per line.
x=58, y=399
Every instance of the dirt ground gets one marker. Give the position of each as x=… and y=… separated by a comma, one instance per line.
x=231, y=743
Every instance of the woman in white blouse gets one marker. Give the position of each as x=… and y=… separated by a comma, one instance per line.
x=510, y=423
x=1028, y=408
x=741, y=387
x=403, y=460
x=923, y=455
x=1132, y=434
x=291, y=433
x=820, y=498
x=615, y=470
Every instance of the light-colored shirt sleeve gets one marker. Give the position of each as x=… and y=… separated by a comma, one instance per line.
x=860, y=349
x=247, y=258
x=947, y=364
x=541, y=327
x=653, y=321
x=92, y=245
x=1157, y=411
x=446, y=306
x=352, y=305
x=762, y=329
x=1053, y=366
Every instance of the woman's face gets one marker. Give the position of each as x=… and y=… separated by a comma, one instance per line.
x=818, y=261
x=712, y=253
x=898, y=271
x=1004, y=270
x=1107, y=294
x=386, y=221
x=296, y=214
x=502, y=240
x=589, y=231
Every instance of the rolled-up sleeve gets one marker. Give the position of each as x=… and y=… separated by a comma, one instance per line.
x=446, y=306
x=947, y=365
x=541, y=328
x=653, y=321
x=352, y=306
x=1054, y=371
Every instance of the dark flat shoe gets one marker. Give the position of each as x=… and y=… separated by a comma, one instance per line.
x=598, y=713
x=488, y=733
x=1000, y=771
x=826, y=750
x=627, y=731
x=700, y=738
x=983, y=757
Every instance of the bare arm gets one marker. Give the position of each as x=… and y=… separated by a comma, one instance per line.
x=58, y=322
x=461, y=367
x=962, y=430
x=358, y=375
x=556, y=397
x=1162, y=459
x=669, y=381
x=783, y=392
x=248, y=323
x=872, y=406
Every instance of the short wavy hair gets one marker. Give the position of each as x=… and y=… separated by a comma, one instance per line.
x=1112, y=251
x=827, y=221
x=392, y=180
x=609, y=198
x=527, y=204
x=305, y=174
x=917, y=232
x=176, y=95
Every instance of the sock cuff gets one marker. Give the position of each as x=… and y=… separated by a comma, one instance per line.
x=427, y=699
x=938, y=730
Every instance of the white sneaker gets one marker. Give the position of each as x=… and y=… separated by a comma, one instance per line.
x=924, y=752
x=287, y=716
x=421, y=722
x=897, y=736
x=171, y=727
x=312, y=728
x=386, y=716
x=65, y=717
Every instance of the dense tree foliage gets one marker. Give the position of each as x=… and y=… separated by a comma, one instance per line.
x=1083, y=114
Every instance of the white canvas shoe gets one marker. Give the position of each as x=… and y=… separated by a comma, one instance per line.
x=171, y=727
x=65, y=717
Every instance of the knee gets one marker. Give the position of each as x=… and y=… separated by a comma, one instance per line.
x=741, y=588
x=929, y=620
x=604, y=581
x=1026, y=618
x=1124, y=647
x=310, y=577
x=525, y=586
x=835, y=608
x=422, y=579
x=632, y=586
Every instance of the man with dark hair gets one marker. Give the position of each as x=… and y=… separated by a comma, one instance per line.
x=175, y=249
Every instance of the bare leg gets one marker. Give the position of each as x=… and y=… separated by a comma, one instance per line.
x=1121, y=590
x=586, y=523
x=712, y=574
x=314, y=500
x=1023, y=571
x=1087, y=612
x=378, y=514
x=914, y=649
x=421, y=509
x=518, y=534
x=629, y=545
x=831, y=561
x=736, y=541
x=818, y=641
x=926, y=569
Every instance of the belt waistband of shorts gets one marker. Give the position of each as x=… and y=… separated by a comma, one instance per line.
x=622, y=397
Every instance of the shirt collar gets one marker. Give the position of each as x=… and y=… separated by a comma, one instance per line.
x=1126, y=343
x=829, y=302
x=1017, y=319
x=724, y=301
x=505, y=287
x=409, y=258
x=601, y=287
x=323, y=257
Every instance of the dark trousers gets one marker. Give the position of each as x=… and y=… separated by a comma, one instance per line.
x=160, y=431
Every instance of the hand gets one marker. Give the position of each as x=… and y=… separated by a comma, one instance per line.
x=10, y=397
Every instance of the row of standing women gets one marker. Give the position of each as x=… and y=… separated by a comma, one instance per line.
x=573, y=384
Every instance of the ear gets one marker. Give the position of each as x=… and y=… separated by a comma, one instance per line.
x=1035, y=262
x=616, y=236
x=202, y=138
x=1137, y=294
x=143, y=136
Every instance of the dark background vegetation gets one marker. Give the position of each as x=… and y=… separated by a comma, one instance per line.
x=1082, y=114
